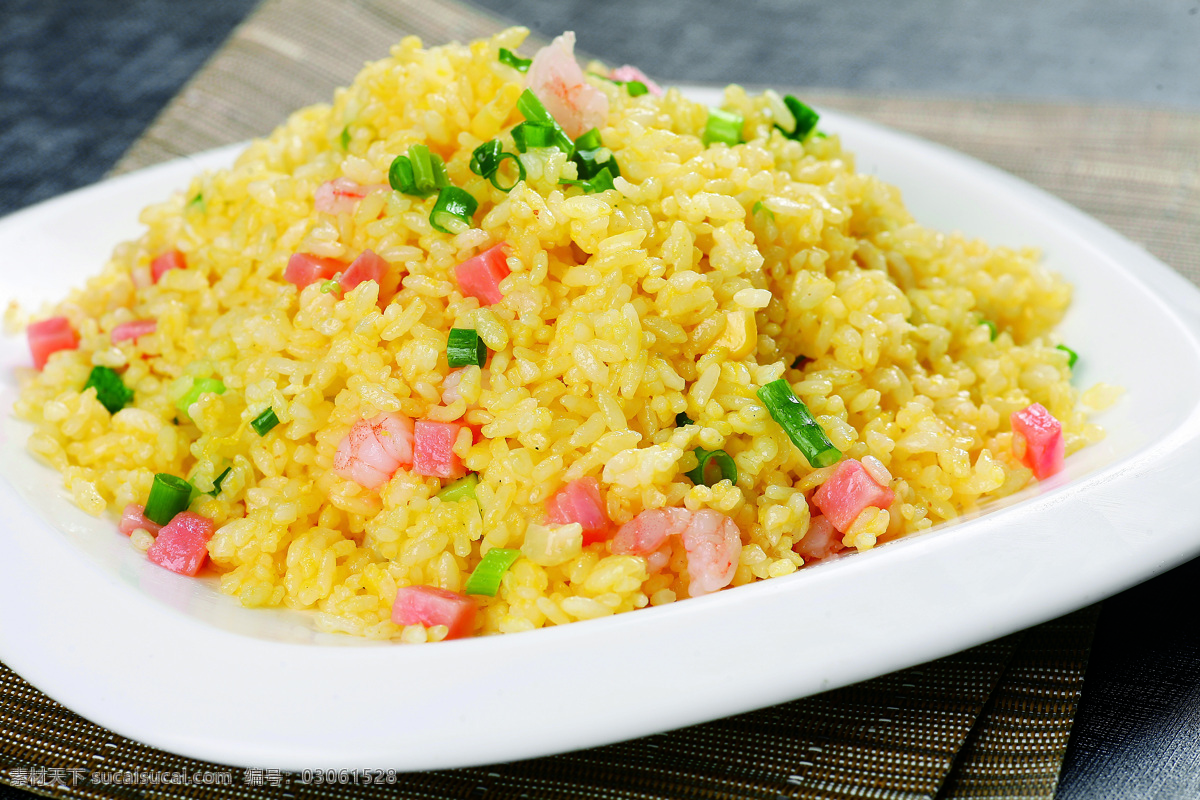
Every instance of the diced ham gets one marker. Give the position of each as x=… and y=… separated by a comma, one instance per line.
x=305, y=268
x=433, y=449
x=480, y=276
x=579, y=501
x=134, y=517
x=429, y=606
x=367, y=267
x=821, y=540
x=50, y=336
x=848, y=491
x=172, y=259
x=626, y=73
x=133, y=329
x=182, y=544
x=1044, y=444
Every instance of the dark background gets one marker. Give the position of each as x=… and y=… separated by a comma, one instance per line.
x=80, y=80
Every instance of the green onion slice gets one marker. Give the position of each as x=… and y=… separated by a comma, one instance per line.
x=795, y=418
x=344, y=138
x=759, y=208
x=400, y=175
x=723, y=126
x=461, y=489
x=682, y=420
x=600, y=182
x=1072, y=356
x=264, y=422
x=636, y=88
x=806, y=119
x=486, y=577
x=513, y=60
x=197, y=203
x=220, y=479
x=991, y=326
x=420, y=173
x=168, y=496
x=724, y=462
x=487, y=159
x=453, y=204
x=532, y=109
x=800, y=362
x=464, y=348
x=111, y=391
x=530, y=135
x=199, y=387
x=591, y=157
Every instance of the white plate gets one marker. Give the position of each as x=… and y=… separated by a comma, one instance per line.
x=168, y=661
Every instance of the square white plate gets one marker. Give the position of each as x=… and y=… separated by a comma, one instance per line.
x=169, y=661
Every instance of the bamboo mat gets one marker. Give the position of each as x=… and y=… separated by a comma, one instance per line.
x=992, y=721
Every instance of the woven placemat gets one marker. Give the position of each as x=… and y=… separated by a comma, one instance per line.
x=990, y=722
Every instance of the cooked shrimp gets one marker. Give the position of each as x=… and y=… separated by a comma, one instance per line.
x=341, y=195
x=821, y=540
x=556, y=79
x=374, y=449
x=711, y=540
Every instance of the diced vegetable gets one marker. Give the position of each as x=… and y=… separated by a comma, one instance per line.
x=169, y=496
x=199, y=387
x=759, y=209
x=420, y=173
x=487, y=159
x=165, y=262
x=485, y=579
x=534, y=111
x=133, y=329
x=111, y=391
x=216, y=490
x=367, y=267
x=723, y=126
x=513, y=60
x=429, y=606
x=724, y=462
x=453, y=211
x=433, y=449
x=1044, y=444
x=1072, y=356
x=991, y=326
x=579, y=501
x=134, y=517
x=305, y=268
x=591, y=157
x=794, y=417
x=182, y=544
x=805, y=117
x=264, y=422
x=682, y=420
x=480, y=276
x=465, y=348
x=601, y=182
x=461, y=489
x=849, y=490
x=49, y=336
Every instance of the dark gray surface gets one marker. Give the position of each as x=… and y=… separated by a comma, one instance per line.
x=80, y=80
x=1144, y=51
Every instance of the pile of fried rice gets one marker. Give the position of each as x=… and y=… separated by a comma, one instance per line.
x=637, y=324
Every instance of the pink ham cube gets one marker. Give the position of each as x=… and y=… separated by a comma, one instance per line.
x=480, y=276
x=433, y=449
x=579, y=501
x=1044, y=445
x=182, y=544
x=49, y=336
x=165, y=262
x=134, y=517
x=305, y=268
x=429, y=606
x=133, y=329
x=849, y=490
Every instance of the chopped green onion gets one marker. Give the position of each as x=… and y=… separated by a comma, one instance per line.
x=461, y=489
x=724, y=463
x=452, y=203
x=420, y=173
x=111, y=391
x=532, y=109
x=486, y=161
x=600, y=182
x=513, y=60
x=591, y=157
x=199, y=387
x=991, y=326
x=197, y=202
x=794, y=417
x=220, y=479
x=264, y=422
x=344, y=138
x=682, y=420
x=806, y=119
x=529, y=135
x=1072, y=356
x=800, y=362
x=636, y=88
x=331, y=286
x=759, y=208
x=486, y=577
x=723, y=126
x=168, y=496
x=465, y=348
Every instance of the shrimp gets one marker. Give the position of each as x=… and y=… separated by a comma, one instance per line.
x=711, y=540
x=341, y=195
x=556, y=79
x=374, y=449
x=821, y=540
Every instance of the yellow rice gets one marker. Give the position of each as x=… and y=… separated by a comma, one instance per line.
x=624, y=308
